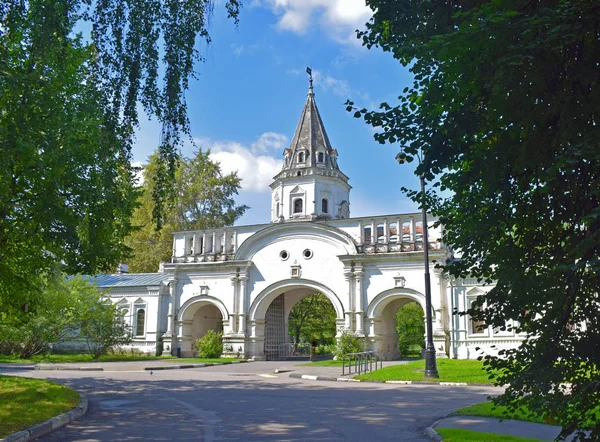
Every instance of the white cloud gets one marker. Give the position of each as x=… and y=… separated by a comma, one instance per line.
x=335, y=85
x=237, y=49
x=338, y=17
x=254, y=164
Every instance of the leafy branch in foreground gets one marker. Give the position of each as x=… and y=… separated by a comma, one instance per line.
x=504, y=109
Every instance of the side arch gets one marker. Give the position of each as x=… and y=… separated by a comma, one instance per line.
x=260, y=304
x=297, y=231
x=378, y=304
x=187, y=313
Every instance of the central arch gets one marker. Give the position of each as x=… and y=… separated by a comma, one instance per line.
x=271, y=310
x=261, y=303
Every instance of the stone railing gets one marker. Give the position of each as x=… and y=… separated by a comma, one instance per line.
x=382, y=234
x=394, y=233
x=205, y=246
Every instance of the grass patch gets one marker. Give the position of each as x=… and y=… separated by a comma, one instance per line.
x=57, y=359
x=26, y=402
x=488, y=409
x=456, y=435
x=450, y=370
x=203, y=360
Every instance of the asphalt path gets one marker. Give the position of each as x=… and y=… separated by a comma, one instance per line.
x=248, y=402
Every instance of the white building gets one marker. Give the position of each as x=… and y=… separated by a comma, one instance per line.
x=245, y=280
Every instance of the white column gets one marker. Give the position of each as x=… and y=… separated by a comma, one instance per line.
x=171, y=314
x=361, y=233
x=373, y=232
x=214, y=242
x=386, y=236
x=225, y=242
x=398, y=231
x=243, y=313
x=204, y=243
x=348, y=313
x=236, y=305
x=358, y=294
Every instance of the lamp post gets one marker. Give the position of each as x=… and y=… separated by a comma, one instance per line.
x=431, y=370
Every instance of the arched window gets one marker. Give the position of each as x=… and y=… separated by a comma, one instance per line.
x=277, y=212
x=324, y=207
x=320, y=157
x=298, y=205
x=301, y=157
x=140, y=321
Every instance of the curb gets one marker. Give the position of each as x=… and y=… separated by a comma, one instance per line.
x=335, y=379
x=182, y=367
x=432, y=434
x=161, y=367
x=50, y=425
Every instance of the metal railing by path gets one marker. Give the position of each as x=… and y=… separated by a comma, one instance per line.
x=361, y=362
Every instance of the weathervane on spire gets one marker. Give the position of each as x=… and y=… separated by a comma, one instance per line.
x=309, y=72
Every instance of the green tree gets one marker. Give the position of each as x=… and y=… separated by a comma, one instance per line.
x=69, y=107
x=312, y=320
x=410, y=324
x=504, y=111
x=102, y=326
x=203, y=200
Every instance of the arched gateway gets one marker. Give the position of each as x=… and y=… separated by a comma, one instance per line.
x=244, y=280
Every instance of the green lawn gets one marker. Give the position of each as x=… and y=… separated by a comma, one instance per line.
x=57, y=359
x=25, y=402
x=456, y=435
x=450, y=370
x=203, y=360
x=488, y=409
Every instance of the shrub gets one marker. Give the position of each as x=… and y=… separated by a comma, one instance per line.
x=210, y=345
x=348, y=343
x=325, y=349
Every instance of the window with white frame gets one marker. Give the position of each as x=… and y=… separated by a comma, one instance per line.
x=476, y=327
x=140, y=322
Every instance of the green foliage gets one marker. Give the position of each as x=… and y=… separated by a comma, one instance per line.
x=203, y=200
x=312, y=320
x=69, y=113
x=65, y=187
x=349, y=343
x=410, y=324
x=327, y=349
x=102, y=325
x=503, y=118
x=210, y=346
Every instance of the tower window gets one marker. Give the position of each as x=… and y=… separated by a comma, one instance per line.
x=277, y=210
x=324, y=205
x=301, y=157
x=298, y=205
x=320, y=157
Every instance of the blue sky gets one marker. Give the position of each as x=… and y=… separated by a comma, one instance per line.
x=250, y=92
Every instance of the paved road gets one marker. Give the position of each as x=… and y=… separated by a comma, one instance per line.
x=247, y=402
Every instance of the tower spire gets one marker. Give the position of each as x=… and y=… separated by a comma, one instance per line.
x=310, y=81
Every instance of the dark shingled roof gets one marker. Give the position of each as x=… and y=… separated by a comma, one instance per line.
x=128, y=279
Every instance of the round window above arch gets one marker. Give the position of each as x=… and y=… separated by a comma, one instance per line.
x=284, y=255
x=307, y=254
